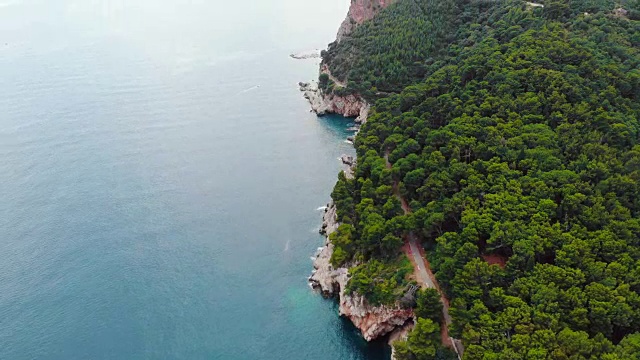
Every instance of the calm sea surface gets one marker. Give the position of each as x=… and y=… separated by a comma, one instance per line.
x=159, y=180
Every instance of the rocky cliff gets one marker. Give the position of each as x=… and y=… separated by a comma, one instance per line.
x=322, y=104
x=352, y=105
x=373, y=321
x=359, y=12
x=325, y=277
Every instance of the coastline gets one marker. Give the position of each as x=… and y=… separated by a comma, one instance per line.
x=374, y=322
x=352, y=105
x=430, y=131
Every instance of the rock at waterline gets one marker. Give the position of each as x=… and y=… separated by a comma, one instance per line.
x=310, y=54
x=347, y=160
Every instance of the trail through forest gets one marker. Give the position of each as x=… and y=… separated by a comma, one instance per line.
x=422, y=271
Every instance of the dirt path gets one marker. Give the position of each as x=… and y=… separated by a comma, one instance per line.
x=423, y=273
x=325, y=70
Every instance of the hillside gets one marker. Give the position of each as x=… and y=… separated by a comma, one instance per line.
x=511, y=131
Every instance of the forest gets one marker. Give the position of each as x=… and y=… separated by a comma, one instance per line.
x=513, y=133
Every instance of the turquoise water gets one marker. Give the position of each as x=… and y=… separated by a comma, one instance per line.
x=155, y=203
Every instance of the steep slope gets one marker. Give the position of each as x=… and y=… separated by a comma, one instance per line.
x=359, y=12
x=331, y=95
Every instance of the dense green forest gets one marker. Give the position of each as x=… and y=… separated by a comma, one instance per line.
x=513, y=133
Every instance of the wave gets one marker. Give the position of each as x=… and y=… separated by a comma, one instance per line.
x=322, y=207
x=248, y=89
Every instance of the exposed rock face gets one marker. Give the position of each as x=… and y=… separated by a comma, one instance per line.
x=352, y=105
x=348, y=106
x=322, y=104
x=621, y=12
x=349, y=172
x=359, y=12
x=325, y=278
x=349, y=163
x=329, y=220
x=364, y=113
x=373, y=321
x=347, y=159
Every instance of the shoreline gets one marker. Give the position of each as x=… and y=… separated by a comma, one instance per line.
x=390, y=323
x=350, y=106
x=374, y=322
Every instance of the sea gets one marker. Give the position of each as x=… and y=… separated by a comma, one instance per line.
x=162, y=181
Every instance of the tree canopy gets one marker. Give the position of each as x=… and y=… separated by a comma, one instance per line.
x=513, y=132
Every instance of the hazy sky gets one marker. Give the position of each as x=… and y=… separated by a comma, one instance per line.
x=181, y=26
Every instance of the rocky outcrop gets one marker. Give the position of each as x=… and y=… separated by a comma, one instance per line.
x=347, y=160
x=311, y=54
x=322, y=104
x=352, y=105
x=329, y=220
x=349, y=163
x=359, y=12
x=324, y=277
x=349, y=172
x=373, y=321
x=621, y=13
x=364, y=113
